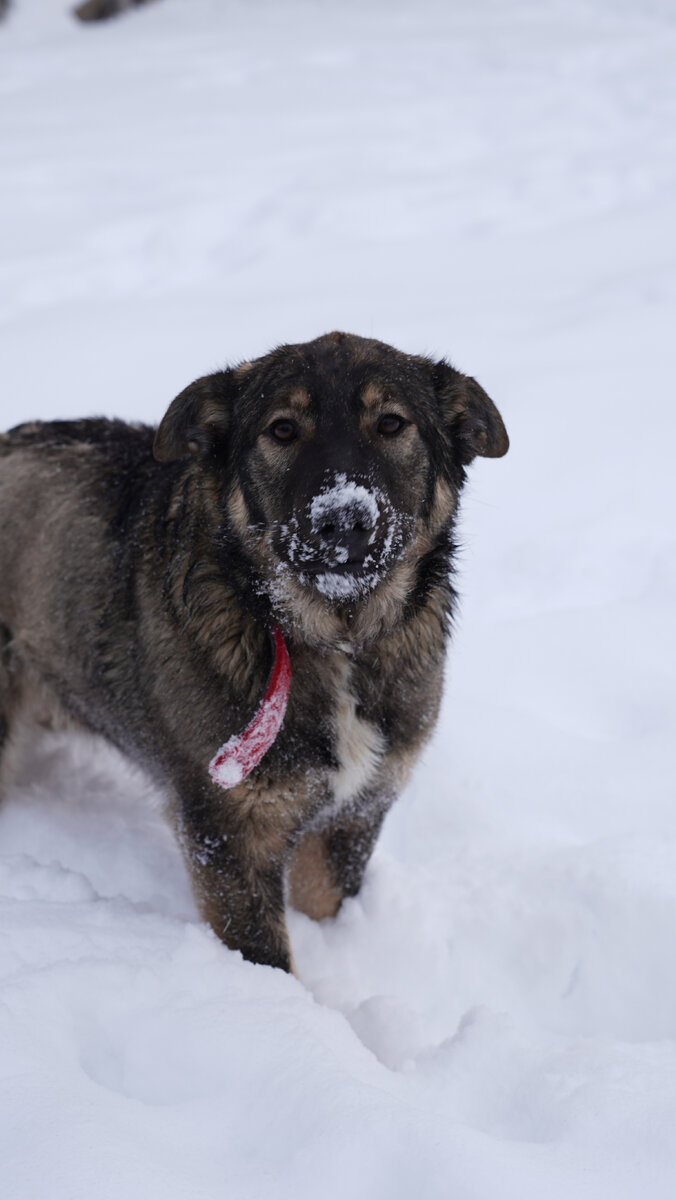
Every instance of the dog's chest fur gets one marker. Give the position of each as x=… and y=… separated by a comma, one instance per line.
x=358, y=720
x=359, y=747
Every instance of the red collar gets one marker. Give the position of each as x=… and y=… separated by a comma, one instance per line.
x=237, y=757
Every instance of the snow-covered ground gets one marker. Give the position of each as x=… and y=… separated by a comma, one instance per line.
x=495, y=1015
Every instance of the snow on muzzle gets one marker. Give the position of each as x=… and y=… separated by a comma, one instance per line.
x=346, y=537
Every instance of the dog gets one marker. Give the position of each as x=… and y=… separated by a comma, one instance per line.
x=102, y=10
x=91, y=10
x=253, y=603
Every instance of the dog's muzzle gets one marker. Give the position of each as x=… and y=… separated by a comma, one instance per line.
x=343, y=540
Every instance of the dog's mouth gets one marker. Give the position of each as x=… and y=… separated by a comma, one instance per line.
x=340, y=581
x=341, y=578
x=344, y=581
x=351, y=567
x=333, y=572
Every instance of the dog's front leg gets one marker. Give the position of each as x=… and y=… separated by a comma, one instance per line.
x=236, y=855
x=330, y=864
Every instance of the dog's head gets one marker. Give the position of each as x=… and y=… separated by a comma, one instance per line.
x=336, y=465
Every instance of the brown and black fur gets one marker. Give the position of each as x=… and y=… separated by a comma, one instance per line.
x=142, y=571
x=102, y=10
x=92, y=10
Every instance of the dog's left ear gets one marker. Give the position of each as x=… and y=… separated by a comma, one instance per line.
x=196, y=420
x=474, y=422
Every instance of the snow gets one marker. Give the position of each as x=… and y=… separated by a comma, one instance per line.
x=495, y=1014
x=344, y=502
x=341, y=587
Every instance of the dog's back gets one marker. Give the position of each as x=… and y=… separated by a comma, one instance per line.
x=68, y=495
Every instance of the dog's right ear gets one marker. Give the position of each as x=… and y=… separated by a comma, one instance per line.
x=196, y=420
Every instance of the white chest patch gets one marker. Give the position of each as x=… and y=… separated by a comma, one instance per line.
x=359, y=746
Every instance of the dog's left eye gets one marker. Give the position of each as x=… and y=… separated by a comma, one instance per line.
x=283, y=430
x=390, y=424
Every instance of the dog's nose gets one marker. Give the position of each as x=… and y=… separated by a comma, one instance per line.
x=349, y=526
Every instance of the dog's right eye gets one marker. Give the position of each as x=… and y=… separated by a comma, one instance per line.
x=391, y=424
x=283, y=430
